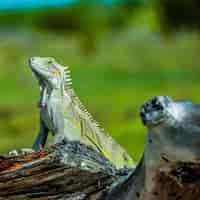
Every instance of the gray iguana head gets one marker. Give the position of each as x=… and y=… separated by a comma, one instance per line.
x=51, y=76
x=48, y=72
x=173, y=127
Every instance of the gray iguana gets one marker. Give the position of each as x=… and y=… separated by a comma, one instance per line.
x=62, y=113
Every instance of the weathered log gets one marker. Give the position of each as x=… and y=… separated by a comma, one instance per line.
x=74, y=171
x=180, y=182
x=172, y=181
x=67, y=171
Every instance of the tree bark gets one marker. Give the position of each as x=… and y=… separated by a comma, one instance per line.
x=66, y=171
x=74, y=171
x=181, y=181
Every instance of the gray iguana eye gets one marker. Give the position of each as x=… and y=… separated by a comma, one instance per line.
x=49, y=62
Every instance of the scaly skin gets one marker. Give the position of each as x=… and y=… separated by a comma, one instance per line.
x=62, y=113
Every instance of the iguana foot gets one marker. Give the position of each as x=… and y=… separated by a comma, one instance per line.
x=13, y=153
x=23, y=151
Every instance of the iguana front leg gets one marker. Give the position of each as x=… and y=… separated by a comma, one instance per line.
x=43, y=97
x=41, y=137
x=58, y=124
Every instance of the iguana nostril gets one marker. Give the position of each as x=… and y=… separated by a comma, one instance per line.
x=32, y=59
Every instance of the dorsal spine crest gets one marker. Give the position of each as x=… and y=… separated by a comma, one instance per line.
x=75, y=99
x=67, y=78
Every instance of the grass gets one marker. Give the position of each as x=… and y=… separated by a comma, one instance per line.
x=112, y=83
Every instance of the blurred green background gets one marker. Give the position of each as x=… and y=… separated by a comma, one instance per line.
x=120, y=55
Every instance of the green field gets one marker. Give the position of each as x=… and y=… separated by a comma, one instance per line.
x=112, y=83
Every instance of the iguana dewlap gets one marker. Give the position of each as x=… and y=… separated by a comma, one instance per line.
x=62, y=113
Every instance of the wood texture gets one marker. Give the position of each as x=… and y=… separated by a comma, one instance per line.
x=67, y=171
x=73, y=171
x=180, y=182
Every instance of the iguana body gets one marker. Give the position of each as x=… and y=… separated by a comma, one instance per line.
x=62, y=113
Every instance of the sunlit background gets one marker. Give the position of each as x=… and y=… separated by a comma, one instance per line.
x=121, y=53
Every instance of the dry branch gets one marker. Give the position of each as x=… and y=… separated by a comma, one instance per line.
x=74, y=171
x=67, y=171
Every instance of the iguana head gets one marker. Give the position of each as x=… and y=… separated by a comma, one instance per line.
x=48, y=72
x=52, y=77
x=173, y=126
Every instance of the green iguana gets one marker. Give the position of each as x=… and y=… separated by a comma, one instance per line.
x=62, y=113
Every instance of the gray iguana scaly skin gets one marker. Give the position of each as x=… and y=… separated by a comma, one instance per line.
x=62, y=113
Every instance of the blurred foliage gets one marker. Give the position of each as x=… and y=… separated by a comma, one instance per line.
x=180, y=14
x=128, y=61
x=91, y=20
x=76, y=18
x=88, y=21
x=125, y=71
